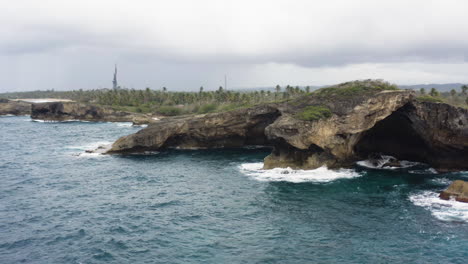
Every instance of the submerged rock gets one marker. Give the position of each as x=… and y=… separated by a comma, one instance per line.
x=336, y=127
x=64, y=111
x=458, y=190
x=9, y=107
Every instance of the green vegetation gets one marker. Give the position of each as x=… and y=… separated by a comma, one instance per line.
x=165, y=102
x=312, y=113
x=430, y=99
x=456, y=97
x=356, y=88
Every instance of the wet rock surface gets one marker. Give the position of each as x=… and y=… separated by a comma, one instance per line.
x=457, y=190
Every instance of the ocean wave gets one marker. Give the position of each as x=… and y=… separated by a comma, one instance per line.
x=123, y=124
x=441, y=181
x=320, y=175
x=82, y=150
x=380, y=163
x=58, y=121
x=450, y=210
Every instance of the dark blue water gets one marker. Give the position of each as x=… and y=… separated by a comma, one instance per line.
x=204, y=207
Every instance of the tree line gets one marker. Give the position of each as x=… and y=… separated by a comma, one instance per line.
x=454, y=96
x=166, y=102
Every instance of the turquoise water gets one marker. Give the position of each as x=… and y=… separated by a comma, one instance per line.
x=58, y=205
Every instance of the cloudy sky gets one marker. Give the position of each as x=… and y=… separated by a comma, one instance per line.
x=185, y=44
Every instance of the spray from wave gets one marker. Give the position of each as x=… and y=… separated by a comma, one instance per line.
x=320, y=175
x=90, y=150
x=441, y=209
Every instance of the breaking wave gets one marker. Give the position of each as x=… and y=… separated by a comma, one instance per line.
x=320, y=175
x=385, y=159
x=57, y=121
x=81, y=150
x=450, y=210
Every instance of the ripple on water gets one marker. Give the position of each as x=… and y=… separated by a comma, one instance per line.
x=441, y=209
x=320, y=175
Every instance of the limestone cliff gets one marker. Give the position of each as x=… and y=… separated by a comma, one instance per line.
x=334, y=127
x=9, y=107
x=63, y=111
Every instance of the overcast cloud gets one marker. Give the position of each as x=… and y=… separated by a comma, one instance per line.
x=183, y=44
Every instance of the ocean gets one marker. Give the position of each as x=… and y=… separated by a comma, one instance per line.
x=59, y=204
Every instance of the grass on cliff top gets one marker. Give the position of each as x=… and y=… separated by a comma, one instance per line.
x=312, y=113
x=356, y=88
x=431, y=99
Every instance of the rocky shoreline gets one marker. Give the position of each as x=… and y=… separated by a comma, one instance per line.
x=342, y=128
x=10, y=107
x=66, y=111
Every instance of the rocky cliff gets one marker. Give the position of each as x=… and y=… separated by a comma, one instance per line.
x=9, y=107
x=334, y=126
x=63, y=111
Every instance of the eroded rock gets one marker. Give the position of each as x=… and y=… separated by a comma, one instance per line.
x=457, y=190
x=354, y=125
x=9, y=107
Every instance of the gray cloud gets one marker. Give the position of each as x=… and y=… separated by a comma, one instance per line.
x=185, y=44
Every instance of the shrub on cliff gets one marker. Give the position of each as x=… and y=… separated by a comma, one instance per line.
x=207, y=108
x=429, y=99
x=312, y=113
x=169, y=111
x=356, y=88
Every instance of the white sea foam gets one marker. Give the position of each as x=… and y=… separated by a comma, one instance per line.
x=57, y=121
x=124, y=124
x=80, y=150
x=441, y=209
x=320, y=175
x=380, y=163
x=442, y=181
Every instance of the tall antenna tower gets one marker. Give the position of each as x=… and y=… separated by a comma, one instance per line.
x=114, y=82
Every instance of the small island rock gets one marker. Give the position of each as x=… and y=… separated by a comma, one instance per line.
x=458, y=190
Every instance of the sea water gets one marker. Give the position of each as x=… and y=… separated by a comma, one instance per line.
x=59, y=204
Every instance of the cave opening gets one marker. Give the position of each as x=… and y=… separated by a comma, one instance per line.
x=394, y=136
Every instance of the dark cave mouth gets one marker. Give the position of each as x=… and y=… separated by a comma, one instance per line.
x=394, y=136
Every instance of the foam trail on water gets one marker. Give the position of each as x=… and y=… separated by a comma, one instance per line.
x=320, y=175
x=80, y=150
x=384, y=159
x=124, y=124
x=441, y=209
x=58, y=121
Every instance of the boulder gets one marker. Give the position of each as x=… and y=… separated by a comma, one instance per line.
x=457, y=190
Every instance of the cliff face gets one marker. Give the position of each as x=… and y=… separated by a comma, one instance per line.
x=8, y=107
x=335, y=127
x=62, y=111
x=331, y=142
x=230, y=129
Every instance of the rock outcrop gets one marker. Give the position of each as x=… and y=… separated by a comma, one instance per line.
x=457, y=190
x=222, y=130
x=9, y=107
x=335, y=126
x=64, y=111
